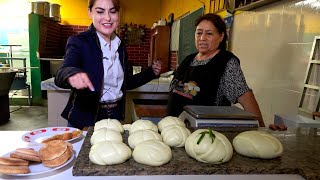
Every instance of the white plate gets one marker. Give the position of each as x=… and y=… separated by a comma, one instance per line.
x=37, y=168
x=39, y=135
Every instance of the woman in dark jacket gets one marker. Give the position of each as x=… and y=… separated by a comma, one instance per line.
x=95, y=67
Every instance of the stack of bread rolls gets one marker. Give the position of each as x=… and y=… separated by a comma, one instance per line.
x=146, y=142
x=55, y=153
x=18, y=162
x=173, y=131
x=107, y=143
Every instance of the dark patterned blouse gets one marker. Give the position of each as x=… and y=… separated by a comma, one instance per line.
x=232, y=84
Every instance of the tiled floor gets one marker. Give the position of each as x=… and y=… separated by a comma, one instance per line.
x=26, y=118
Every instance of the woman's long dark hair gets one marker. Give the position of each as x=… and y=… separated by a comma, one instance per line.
x=217, y=21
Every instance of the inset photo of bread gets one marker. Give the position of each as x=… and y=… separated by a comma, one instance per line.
x=26, y=161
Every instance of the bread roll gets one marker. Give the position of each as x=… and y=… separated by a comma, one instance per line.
x=110, y=124
x=25, y=156
x=175, y=135
x=169, y=120
x=54, y=137
x=55, y=153
x=5, y=169
x=257, y=144
x=143, y=125
x=28, y=151
x=152, y=153
x=214, y=149
x=13, y=161
x=66, y=136
x=59, y=160
x=143, y=135
x=76, y=133
x=105, y=134
x=109, y=153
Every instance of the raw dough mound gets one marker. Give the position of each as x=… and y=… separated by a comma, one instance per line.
x=143, y=135
x=142, y=125
x=152, y=153
x=169, y=120
x=175, y=135
x=109, y=153
x=213, y=147
x=110, y=124
x=257, y=144
x=105, y=134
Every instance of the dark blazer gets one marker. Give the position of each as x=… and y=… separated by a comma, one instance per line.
x=83, y=54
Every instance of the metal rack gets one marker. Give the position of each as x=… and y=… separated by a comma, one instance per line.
x=20, y=80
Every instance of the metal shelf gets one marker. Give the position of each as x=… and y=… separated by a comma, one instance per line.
x=20, y=80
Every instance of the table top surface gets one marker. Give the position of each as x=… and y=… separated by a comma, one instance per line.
x=14, y=140
x=301, y=156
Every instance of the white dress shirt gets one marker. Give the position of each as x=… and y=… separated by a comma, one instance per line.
x=113, y=72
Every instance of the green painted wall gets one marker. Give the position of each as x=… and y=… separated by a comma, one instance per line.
x=34, y=31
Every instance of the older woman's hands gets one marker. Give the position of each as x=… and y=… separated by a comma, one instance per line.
x=156, y=67
x=80, y=81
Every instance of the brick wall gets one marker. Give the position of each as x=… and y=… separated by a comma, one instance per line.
x=138, y=54
x=173, y=60
x=69, y=30
x=50, y=39
x=54, y=38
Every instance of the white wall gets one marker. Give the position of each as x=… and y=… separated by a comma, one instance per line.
x=14, y=30
x=274, y=44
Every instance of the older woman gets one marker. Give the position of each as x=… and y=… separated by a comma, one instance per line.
x=212, y=76
x=95, y=67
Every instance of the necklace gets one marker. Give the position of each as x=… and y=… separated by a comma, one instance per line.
x=196, y=62
x=208, y=57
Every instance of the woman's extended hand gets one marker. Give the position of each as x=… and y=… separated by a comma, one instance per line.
x=80, y=81
x=156, y=67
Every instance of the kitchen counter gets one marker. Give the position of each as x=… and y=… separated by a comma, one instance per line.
x=291, y=120
x=49, y=85
x=301, y=156
x=156, y=85
x=57, y=100
x=58, y=97
x=13, y=140
x=155, y=90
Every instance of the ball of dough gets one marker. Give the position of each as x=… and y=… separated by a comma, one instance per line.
x=169, y=120
x=175, y=135
x=152, y=153
x=109, y=153
x=142, y=125
x=257, y=144
x=105, y=134
x=110, y=124
x=143, y=135
x=209, y=150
